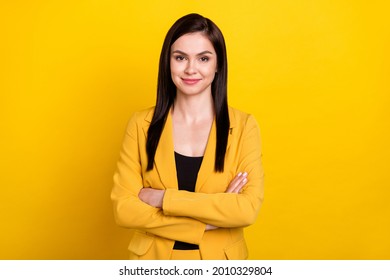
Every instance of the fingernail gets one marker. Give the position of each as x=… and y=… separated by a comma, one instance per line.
x=239, y=174
x=245, y=174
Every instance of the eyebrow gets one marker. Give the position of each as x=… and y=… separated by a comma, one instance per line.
x=201, y=53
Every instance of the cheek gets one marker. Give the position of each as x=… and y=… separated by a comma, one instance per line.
x=175, y=75
x=176, y=69
x=173, y=71
x=210, y=73
x=174, y=78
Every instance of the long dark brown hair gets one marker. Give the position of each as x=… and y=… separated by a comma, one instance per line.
x=166, y=89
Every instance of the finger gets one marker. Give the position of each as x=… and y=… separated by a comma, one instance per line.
x=145, y=194
x=141, y=194
x=239, y=187
x=210, y=227
x=241, y=183
x=233, y=184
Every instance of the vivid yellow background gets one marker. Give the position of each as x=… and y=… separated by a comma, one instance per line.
x=314, y=73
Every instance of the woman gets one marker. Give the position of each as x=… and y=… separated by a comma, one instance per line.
x=189, y=176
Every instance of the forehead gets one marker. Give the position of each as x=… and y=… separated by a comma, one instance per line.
x=193, y=43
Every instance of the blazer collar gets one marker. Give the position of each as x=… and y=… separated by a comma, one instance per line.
x=164, y=159
x=207, y=168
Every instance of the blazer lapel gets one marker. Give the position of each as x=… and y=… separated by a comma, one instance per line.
x=207, y=167
x=164, y=159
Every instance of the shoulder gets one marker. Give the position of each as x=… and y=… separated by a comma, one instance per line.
x=237, y=114
x=140, y=119
x=241, y=119
x=144, y=115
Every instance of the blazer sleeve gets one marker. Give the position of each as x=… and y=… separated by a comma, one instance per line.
x=131, y=212
x=226, y=209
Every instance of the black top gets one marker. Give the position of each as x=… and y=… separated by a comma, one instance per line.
x=187, y=169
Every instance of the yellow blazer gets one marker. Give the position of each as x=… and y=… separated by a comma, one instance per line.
x=184, y=215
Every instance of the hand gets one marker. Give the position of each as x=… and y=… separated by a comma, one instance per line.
x=235, y=186
x=210, y=227
x=237, y=183
x=152, y=197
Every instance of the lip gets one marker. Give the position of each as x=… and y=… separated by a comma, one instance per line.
x=190, y=81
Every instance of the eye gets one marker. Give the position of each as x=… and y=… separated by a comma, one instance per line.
x=204, y=59
x=179, y=58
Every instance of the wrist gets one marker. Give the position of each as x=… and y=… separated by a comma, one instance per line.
x=161, y=199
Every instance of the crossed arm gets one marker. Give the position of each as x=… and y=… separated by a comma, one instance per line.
x=173, y=213
x=154, y=197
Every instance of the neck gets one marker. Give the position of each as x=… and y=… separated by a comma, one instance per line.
x=193, y=109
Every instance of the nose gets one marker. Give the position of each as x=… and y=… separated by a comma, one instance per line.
x=190, y=67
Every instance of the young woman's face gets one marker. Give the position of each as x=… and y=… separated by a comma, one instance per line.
x=193, y=64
